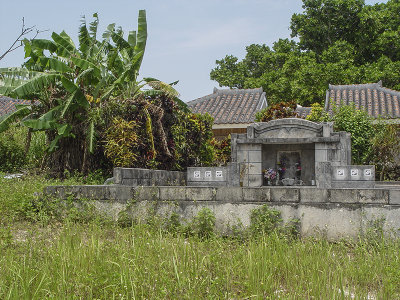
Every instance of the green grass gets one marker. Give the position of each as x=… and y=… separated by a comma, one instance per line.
x=61, y=259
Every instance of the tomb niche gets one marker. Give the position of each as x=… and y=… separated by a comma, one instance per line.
x=289, y=151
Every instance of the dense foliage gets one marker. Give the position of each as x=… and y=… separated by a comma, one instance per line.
x=95, y=111
x=359, y=124
x=172, y=138
x=276, y=111
x=340, y=42
x=385, y=150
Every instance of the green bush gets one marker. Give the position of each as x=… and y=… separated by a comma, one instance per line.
x=203, y=224
x=264, y=220
x=359, y=124
x=12, y=149
x=12, y=154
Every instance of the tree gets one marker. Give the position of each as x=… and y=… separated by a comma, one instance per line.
x=325, y=22
x=18, y=42
x=340, y=42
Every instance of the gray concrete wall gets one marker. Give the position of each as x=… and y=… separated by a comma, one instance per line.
x=334, y=213
x=147, y=177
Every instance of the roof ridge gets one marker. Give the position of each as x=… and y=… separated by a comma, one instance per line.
x=237, y=91
x=356, y=86
x=224, y=92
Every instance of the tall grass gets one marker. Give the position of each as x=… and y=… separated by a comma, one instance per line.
x=92, y=261
x=101, y=260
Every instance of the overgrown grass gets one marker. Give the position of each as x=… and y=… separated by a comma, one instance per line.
x=101, y=260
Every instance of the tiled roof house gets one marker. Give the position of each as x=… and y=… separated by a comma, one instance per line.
x=7, y=104
x=372, y=97
x=232, y=109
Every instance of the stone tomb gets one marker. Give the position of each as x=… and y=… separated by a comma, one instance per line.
x=304, y=152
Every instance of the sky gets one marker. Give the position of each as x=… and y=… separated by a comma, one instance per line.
x=185, y=37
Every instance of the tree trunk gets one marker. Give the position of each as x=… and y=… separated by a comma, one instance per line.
x=28, y=141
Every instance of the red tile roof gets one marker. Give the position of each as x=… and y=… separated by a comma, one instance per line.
x=7, y=104
x=371, y=97
x=303, y=112
x=230, y=106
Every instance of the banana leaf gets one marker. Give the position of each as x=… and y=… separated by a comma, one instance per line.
x=36, y=84
x=20, y=112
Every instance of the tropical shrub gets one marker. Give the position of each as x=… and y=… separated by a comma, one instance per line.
x=385, y=148
x=16, y=155
x=203, y=224
x=359, y=124
x=120, y=139
x=318, y=113
x=277, y=111
x=264, y=220
x=12, y=154
x=222, y=150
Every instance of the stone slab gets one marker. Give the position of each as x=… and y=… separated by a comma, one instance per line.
x=313, y=195
x=256, y=194
x=394, y=197
x=172, y=193
x=200, y=194
x=373, y=196
x=285, y=194
x=343, y=196
x=144, y=193
x=229, y=194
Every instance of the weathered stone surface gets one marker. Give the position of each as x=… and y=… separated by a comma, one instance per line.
x=142, y=193
x=343, y=196
x=256, y=194
x=394, y=197
x=229, y=194
x=255, y=169
x=373, y=196
x=353, y=184
x=255, y=180
x=313, y=195
x=285, y=194
x=173, y=193
x=255, y=156
x=353, y=212
x=145, y=177
x=200, y=194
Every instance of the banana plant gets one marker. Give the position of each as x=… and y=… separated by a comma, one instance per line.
x=69, y=82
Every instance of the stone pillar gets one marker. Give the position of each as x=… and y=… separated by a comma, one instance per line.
x=323, y=174
x=249, y=158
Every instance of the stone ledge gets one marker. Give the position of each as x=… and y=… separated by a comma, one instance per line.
x=308, y=195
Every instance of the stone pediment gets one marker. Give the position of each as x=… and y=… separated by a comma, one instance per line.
x=288, y=128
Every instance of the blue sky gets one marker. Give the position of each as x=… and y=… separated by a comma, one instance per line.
x=185, y=38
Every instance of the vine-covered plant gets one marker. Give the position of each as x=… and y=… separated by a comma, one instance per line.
x=121, y=141
x=318, y=114
x=222, y=149
x=277, y=111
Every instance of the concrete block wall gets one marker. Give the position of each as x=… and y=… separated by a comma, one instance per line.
x=146, y=177
x=336, y=213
